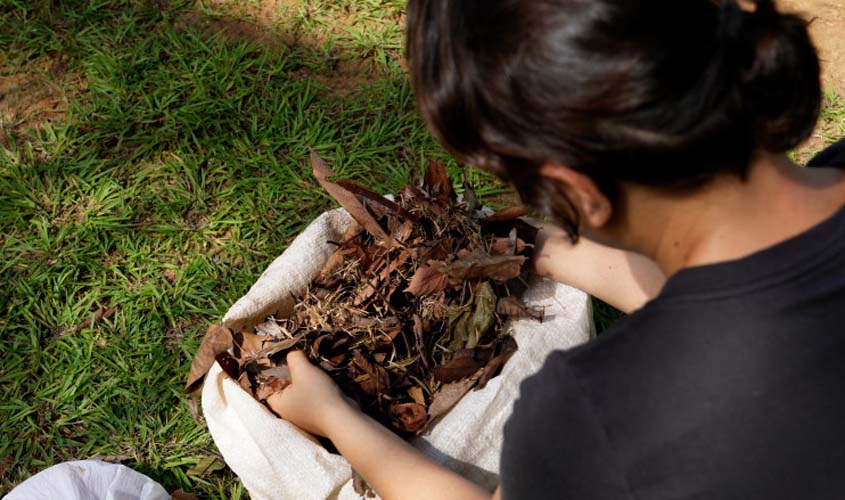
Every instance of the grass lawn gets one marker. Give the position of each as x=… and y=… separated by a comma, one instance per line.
x=153, y=160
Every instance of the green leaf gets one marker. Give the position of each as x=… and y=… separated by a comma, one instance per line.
x=206, y=465
x=471, y=322
x=483, y=315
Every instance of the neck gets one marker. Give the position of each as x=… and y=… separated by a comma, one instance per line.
x=730, y=218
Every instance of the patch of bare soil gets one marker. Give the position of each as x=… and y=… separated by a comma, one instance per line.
x=827, y=28
x=32, y=97
x=265, y=12
x=235, y=29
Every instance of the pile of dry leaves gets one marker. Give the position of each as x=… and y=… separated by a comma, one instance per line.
x=408, y=313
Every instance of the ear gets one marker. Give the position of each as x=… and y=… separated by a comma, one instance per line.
x=593, y=206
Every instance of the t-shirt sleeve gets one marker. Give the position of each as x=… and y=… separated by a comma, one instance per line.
x=554, y=444
x=832, y=156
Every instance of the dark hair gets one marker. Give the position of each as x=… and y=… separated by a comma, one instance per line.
x=658, y=92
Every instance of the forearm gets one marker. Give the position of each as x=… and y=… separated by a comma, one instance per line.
x=394, y=468
x=625, y=280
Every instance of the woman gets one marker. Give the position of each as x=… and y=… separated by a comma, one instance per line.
x=655, y=128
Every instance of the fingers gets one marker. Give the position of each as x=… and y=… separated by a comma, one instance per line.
x=297, y=362
x=276, y=402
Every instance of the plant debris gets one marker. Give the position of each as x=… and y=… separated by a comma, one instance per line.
x=407, y=315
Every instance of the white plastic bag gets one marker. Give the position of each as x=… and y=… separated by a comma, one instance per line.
x=276, y=460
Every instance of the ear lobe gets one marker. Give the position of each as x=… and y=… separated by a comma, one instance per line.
x=593, y=206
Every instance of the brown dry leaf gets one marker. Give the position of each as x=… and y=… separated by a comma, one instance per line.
x=367, y=292
x=404, y=232
x=101, y=313
x=5, y=463
x=409, y=417
x=480, y=264
x=353, y=231
x=316, y=343
x=419, y=340
x=170, y=274
x=244, y=382
x=395, y=264
x=508, y=246
x=333, y=263
x=438, y=183
x=361, y=486
x=447, y=396
x=507, y=350
x=375, y=378
x=346, y=199
x=217, y=339
x=428, y=279
x=376, y=381
x=507, y=214
x=457, y=369
x=501, y=246
x=514, y=308
x=391, y=207
x=228, y=364
x=372, y=286
x=417, y=395
x=181, y=494
x=383, y=275
x=337, y=258
x=524, y=231
x=250, y=344
x=275, y=347
x=267, y=389
x=269, y=328
x=193, y=405
x=112, y=459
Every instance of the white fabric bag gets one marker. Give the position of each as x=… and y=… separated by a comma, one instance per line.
x=88, y=480
x=276, y=460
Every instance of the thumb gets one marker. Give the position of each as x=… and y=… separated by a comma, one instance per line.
x=276, y=402
x=297, y=362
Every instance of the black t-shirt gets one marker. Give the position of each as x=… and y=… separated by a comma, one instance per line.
x=729, y=385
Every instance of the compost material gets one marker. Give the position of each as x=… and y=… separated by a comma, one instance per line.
x=407, y=315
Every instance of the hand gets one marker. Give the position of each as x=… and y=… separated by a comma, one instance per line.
x=311, y=399
x=624, y=279
x=548, y=235
x=391, y=465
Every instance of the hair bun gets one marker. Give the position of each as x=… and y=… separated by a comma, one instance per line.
x=779, y=72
